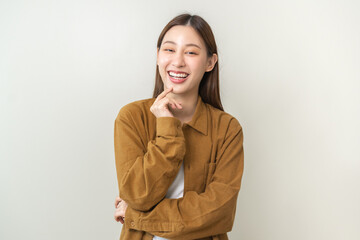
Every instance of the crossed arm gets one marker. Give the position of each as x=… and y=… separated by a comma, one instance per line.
x=193, y=216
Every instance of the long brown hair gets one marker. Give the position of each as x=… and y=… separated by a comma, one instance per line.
x=209, y=85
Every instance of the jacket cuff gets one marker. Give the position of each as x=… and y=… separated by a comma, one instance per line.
x=131, y=218
x=168, y=126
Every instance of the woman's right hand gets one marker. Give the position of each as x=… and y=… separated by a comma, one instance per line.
x=160, y=107
x=121, y=207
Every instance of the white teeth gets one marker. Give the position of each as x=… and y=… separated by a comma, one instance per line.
x=178, y=75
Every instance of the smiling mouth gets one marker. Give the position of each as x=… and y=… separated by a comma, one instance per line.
x=181, y=75
x=178, y=77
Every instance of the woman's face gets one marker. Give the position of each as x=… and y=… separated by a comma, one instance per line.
x=182, y=60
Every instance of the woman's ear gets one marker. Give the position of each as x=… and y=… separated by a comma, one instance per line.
x=211, y=62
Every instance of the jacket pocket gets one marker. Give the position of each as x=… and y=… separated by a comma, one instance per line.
x=209, y=172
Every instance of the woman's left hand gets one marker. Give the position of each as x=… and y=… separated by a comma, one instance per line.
x=120, y=206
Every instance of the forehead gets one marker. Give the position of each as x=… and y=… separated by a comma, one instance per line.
x=183, y=35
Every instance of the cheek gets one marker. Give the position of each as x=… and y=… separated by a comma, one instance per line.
x=163, y=61
x=162, y=64
x=199, y=66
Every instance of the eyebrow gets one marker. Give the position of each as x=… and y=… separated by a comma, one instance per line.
x=189, y=44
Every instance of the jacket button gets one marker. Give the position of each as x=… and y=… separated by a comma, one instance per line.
x=132, y=223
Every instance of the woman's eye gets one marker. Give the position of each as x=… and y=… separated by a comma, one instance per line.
x=192, y=53
x=168, y=50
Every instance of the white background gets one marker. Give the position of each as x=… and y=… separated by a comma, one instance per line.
x=289, y=73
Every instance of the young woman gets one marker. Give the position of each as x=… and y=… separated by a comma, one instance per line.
x=179, y=157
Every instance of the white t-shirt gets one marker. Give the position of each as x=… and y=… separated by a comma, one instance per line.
x=176, y=190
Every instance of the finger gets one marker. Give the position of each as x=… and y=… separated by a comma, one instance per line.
x=119, y=213
x=169, y=102
x=119, y=219
x=173, y=106
x=117, y=201
x=178, y=105
x=175, y=103
x=122, y=202
x=163, y=94
x=164, y=102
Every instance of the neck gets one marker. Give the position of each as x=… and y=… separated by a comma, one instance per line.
x=188, y=103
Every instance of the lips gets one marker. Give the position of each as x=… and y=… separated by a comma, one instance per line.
x=177, y=76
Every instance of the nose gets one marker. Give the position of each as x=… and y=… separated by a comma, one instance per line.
x=178, y=60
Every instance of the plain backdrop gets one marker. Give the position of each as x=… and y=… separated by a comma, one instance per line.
x=289, y=73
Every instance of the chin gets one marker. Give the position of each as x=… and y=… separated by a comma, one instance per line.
x=177, y=89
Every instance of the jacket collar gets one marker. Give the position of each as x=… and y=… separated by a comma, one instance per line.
x=199, y=120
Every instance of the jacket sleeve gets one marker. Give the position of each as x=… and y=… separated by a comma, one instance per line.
x=146, y=170
x=200, y=215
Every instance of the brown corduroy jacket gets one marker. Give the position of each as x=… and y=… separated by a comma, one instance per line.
x=149, y=152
